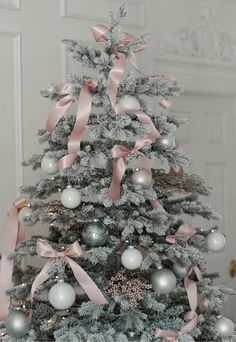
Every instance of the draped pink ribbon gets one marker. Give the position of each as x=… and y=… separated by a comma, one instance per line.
x=185, y=232
x=99, y=32
x=74, y=250
x=14, y=232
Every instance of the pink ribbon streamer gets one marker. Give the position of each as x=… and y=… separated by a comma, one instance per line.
x=185, y=232
x=74, y=250
x=14, y=232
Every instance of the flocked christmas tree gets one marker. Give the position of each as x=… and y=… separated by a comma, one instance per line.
x=120, y=263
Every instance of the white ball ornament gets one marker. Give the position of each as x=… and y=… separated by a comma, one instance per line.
x=128, y=102
x=25, y=213
x=49, y=165
x=142, y=177
x=216, y=241
x=166, y=142
x=17, y=323
x=163, y=280
x=62, y=295
x=70, y=197
x=131, y=258
x=225, y=327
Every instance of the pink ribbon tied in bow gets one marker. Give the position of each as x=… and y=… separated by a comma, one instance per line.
x=185, y=232
x=14, y=232
x=73, y=251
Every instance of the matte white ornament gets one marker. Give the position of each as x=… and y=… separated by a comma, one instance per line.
x=216, y=241
x=224, y=326
x=70, y=197
x=128, y=102
x=17, y=324
x=131, y=258
x=25, y=213
x=62, y=295
x=49, y=165
x=167, y=142
x=163, y=281
x=142, y=177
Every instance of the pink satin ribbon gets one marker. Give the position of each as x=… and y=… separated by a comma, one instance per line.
x=73, y=251
x=14, y=232
x=185, y=232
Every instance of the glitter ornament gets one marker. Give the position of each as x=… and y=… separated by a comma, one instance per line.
x=94, y=234
x=163, y=280
x=16, y=323
x=131, y=258
x=225, y=327
x=70, y=197
x=49, y=165
x=142, y=177
x=62, y=295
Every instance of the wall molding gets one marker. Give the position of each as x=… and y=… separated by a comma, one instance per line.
x=15, y=5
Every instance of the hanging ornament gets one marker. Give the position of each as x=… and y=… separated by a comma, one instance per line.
x=94, y=234
x=180, y=270
x=17, y=323
x=128, y=102
x=166, y=142
x=142, y=177
x=131, y=258
x=49, y=165
x=24, y=214
x=133, y=336
x=62, y=295
x=163, y=280
x=216, y=241
x=204, y=304
x=70, y=197
x=225, y=327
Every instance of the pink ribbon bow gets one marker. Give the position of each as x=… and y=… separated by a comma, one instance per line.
x=74, y=250
x=82, y=117
x=14, y=232
x=185, y=232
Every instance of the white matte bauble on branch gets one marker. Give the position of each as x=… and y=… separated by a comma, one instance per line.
x=180, y=270
x=142, y=177
x=166, y=142
x=131, y=258
x=225, y=327
x=94, y=234
x=25, y=213
x=163, y=281
x=62, y=295
x=128, y=102
x=49, y=165
x=70, y=197
x=216, y=241
x=17, y=323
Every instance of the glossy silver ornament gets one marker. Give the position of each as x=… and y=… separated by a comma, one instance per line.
x=94, y=234
x=225, y=327
x=167, y=142
x=25, y=213
x=17, y=324
x=180, y=270
x=216, y=241
x=128, y=102
x=163, y=280
x=49, y=165
x=142, y=177
x=62, y=295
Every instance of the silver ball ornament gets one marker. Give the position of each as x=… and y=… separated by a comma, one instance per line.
x=216, y=241
x=163, y=281
x=94, y=234
x=131, y=258
x=142, y=177
x=224, y=326
x=62, y=295
x=180, y=270
x=166, y=142
x=70, y=197
x=128, y=102
x=25, y=213
x=49, y=165
x=17, y=324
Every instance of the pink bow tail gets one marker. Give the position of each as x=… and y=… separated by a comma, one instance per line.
x=185, y=232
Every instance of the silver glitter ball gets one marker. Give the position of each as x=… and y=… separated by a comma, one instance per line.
x=224, y=326
x=142, y=177
x=167, y=142
x=180, y=270
x=17, y=324
x=163, y=281
x=94, y=234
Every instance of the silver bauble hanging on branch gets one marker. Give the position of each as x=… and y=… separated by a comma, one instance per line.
x=163, y=280
x=180, y=270
x=225, y=327
x=17, y=323
x=70, y=197
x=25, y=213
x=166, y=142
x=128, y=102
x=62, y=295
x=216, y=241
x=142, y=177
x=49, y=165
x=131, y=258
x=94, y=234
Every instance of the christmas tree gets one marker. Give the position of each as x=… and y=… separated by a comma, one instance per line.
x=120, y=263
